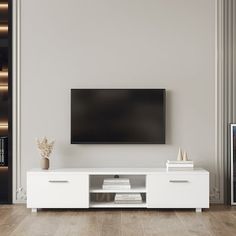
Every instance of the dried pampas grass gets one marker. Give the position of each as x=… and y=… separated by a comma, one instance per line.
x=45, y=147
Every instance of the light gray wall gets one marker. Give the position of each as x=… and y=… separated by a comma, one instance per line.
x=118, y=44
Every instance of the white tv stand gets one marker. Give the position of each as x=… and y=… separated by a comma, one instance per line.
x=82, y=188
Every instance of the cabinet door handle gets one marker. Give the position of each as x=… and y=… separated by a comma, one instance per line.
x=58, y=181
x=178, y=181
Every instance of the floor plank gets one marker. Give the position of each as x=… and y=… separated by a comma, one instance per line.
x=17, y=220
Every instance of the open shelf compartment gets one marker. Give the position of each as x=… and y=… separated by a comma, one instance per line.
x=104, y=198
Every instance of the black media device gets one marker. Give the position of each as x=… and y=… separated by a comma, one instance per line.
x=118, y=116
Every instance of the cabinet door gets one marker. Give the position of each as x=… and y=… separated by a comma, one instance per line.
x=57, y=190
x=178, y=190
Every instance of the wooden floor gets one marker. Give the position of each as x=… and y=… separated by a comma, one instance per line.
x=18, y=221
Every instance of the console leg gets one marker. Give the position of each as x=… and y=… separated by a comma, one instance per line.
x=34, y=210
x=198, y=209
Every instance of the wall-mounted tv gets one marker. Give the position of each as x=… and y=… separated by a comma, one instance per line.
x=118, y=116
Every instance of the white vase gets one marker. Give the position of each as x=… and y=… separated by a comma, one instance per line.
x=179, y=157
x=185, y=156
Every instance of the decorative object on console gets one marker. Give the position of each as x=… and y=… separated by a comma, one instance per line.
x=128, y=198
x=116, y=183
x=44, y=163
x=179, y=165
x=180, y=156
x=185, y=156
x=45, y=148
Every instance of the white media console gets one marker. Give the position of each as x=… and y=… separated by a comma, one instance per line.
x=82, y=188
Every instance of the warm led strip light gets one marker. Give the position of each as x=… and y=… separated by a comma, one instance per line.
x=3, y=80
x=3, y=125
x=3, y=168
x=3, y=74
x=3, y=87
x=3, y=6
x=3, y=29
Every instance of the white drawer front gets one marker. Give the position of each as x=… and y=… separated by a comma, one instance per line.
x=57, y=190
x=178, y=191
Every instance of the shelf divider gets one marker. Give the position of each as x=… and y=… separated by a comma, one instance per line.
x=132, y=190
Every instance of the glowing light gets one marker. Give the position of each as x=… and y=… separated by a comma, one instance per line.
x=3, y=6
x=3, y=74
x=3, y=125
x=3, y=87
x=3, y=29
x=3, y=78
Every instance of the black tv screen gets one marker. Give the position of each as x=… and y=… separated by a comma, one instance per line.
x=117, y=116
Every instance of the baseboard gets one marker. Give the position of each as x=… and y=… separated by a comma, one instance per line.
x=19, y=201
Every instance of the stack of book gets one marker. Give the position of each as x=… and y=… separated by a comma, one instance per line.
x=179, y=165
x=128, y=198
x=3, y=151
x=116, y=183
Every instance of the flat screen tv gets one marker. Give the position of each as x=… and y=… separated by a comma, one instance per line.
x=118, y=116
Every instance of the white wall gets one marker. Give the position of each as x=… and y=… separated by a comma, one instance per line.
x=118, y=44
